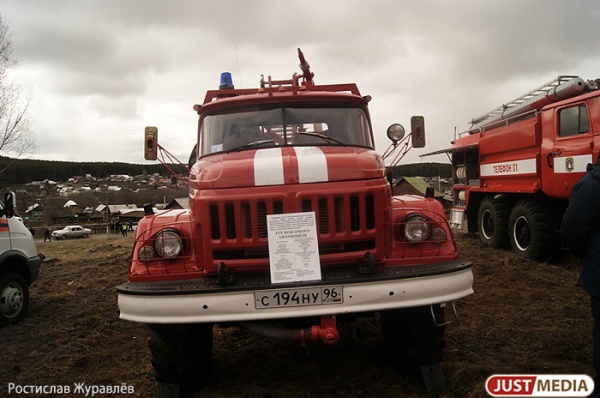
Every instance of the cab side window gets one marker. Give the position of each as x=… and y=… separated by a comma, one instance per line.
x=573, y=121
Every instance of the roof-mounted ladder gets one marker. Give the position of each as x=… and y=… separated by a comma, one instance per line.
x=522, y=104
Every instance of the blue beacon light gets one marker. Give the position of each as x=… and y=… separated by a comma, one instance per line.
x=226, y=81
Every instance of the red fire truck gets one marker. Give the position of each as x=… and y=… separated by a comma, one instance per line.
x=514, y=169
x=292, y=222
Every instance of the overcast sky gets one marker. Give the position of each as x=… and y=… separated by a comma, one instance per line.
x=100, y=71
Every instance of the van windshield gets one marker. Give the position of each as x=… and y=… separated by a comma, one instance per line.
x=265, y=127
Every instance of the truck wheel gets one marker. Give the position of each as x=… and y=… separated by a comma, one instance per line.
x=14, y=298
x=181, y=354
x=411, y=337
x=492, y=220
x=531, y=230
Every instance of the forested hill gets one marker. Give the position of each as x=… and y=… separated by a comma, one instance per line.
x=22, y=171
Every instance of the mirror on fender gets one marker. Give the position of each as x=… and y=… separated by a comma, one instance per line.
x=150, y=143
x=417, y=127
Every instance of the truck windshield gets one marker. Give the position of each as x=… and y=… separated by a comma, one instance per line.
x=264, y=127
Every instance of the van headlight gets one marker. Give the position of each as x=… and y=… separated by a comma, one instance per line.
x=416, y=228
x=168, y=244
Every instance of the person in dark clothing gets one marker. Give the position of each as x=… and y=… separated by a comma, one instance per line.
x=47, y=235
x=580, y=230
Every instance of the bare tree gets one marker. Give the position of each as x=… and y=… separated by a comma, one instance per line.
x=15, y=137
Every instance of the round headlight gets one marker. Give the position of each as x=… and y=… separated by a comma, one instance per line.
x=168, y=244
x=416, y=229
x=395, y=132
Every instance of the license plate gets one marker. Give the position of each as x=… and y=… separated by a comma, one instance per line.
x=299, y=297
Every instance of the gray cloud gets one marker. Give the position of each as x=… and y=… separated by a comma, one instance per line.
x=110, y=67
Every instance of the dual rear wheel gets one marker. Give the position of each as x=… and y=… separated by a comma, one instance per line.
x=527, y=227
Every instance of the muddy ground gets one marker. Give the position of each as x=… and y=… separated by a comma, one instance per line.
x=524, y=317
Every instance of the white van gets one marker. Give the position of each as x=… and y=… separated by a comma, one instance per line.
x=19, y=264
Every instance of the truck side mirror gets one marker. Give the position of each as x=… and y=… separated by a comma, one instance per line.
x=9, y=205
x=417, y=126
x=150, y=143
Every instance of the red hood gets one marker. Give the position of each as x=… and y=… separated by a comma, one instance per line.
x=285, y=165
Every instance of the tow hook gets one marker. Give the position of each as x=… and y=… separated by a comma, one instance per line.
x=366, y=266
x=224, y=275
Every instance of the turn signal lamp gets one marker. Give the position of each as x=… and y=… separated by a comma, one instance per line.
x=146, y=254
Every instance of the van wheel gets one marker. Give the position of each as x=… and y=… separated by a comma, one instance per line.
x=181, y=354
x=411, y=337
x=531, y=230
x=14, y=298
x=492, y=219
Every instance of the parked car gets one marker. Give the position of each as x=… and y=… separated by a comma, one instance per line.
x=72, y=231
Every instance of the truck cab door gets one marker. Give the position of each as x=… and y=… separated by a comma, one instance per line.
x=568, y=138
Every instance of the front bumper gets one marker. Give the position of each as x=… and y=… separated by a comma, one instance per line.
x=35, y=264
x=203, y=300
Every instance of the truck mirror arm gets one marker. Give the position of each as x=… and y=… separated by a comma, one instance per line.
x=168, y=160
x=404, y=146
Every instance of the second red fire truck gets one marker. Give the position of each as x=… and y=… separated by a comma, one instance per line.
x=513, y=170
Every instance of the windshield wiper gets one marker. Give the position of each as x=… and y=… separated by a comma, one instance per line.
x=324, y=137
x=251, y=144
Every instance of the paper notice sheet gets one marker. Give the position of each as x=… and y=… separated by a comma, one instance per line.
x=293, y=247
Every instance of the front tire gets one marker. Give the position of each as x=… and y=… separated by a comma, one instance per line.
x=14, y=298
x=411, y=337
x=181, y=354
